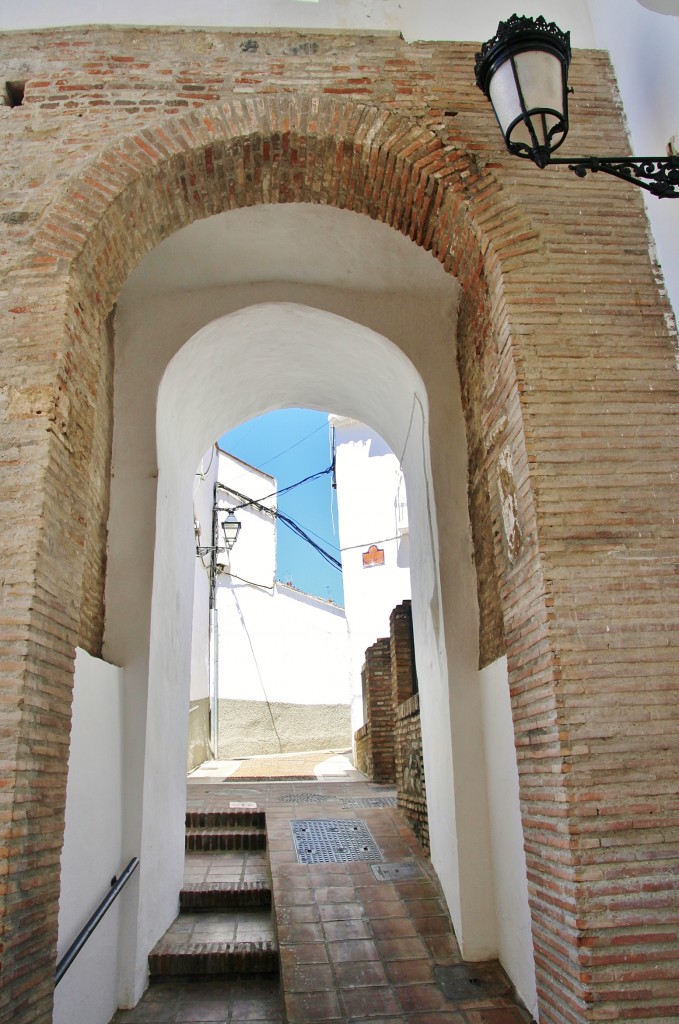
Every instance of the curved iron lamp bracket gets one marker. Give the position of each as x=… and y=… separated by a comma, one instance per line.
x=659, y=175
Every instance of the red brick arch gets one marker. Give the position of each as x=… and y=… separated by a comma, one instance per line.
x=396, y=170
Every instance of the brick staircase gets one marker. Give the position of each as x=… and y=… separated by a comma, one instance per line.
x=225, y=925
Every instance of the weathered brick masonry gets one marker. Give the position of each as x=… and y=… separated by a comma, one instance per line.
x=567, y=361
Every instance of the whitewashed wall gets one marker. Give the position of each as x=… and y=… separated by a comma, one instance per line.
x=276, y=645
x=282, y=646
x=515, y=941
x=369, y=484
x=93, y=852
x=644, y=49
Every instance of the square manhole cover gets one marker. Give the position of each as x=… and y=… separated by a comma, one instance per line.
x=396, y=872
x=473, y=981
x=333, y=841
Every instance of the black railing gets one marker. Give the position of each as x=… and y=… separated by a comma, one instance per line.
x=117, y=886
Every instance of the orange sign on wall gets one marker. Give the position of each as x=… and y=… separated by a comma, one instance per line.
x=373, y=556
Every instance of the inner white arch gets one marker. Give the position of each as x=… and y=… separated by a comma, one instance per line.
x=233, y=316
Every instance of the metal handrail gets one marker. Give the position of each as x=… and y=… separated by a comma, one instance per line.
x=117, y=886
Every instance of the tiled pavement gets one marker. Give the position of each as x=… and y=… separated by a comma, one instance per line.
x=353, y=948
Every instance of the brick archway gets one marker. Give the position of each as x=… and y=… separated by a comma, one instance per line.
x=396, y=170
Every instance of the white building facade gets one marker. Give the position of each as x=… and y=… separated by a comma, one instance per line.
x=374, y=539
x=276, y=678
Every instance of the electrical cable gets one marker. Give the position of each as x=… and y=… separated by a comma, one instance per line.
x=260, y=586
x=282, y=490
x=297, y=529
x=286, y=450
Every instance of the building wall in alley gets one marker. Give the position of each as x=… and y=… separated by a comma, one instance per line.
x=281, y=657
x=374, y=538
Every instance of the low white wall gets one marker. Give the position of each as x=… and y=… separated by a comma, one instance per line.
x=509, y=861
x=92, y=849
x=281, y=646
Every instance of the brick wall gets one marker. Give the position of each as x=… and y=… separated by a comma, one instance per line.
x=411, y=787
x=381, y=713
x=566, y=352
x=363, y=751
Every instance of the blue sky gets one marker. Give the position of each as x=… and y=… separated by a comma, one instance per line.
x=290, y=445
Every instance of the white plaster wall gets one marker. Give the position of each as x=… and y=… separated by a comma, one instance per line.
x=242, y=366
x=644, y=48
x=374, y=15
x=274, y=643
x=203, y=491
x=368, y=478
x=92, y=853
x=327, y=361
x=281, y=646
x=417, y=19
x=458, y=19
x=253, y=557
x=515, y=940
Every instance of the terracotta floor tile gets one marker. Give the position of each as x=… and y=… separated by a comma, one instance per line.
x=378, y=909
x=304, y=1007
x=435, y=1017
x=392, y=928
x=423, y=997
x=401, y=949
x=309, y=978
x=338, y=931
x=299, y=932
x=293, y=897
x=508, y=1015
x=366, y=1003
x=434, y=925
x=360, y=975
x=303, y=953
x=341, y=912
x=336, y=894
x=443, y=946
x=416, y=889
x=405, y=972
x=353, y=950
x=305, y=914
x=426, y=908
x=380, y=892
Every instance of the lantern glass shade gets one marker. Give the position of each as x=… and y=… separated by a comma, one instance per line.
x=524, y=72
x=231, y=527
x=527, y=96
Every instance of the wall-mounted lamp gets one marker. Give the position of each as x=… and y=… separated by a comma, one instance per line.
x=231, y=527
x=523, y=70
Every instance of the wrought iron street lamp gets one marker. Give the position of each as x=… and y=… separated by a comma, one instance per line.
x=231, y=527
x=523, y=70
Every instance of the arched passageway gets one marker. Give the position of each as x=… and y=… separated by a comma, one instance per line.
x=401, y=172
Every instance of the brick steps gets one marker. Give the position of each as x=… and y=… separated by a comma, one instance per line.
x=243, y=818
x=190, y=959
x=224, y=895
x=224, y=928
x=210, y=839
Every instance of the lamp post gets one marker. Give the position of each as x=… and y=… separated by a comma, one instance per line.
x=523, y=70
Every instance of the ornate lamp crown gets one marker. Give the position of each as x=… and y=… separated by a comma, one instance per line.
x=523, y=70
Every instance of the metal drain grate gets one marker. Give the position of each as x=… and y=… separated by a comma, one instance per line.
x=305, y=798
x=333, y=841
x=370, y=801
x=396, y=872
